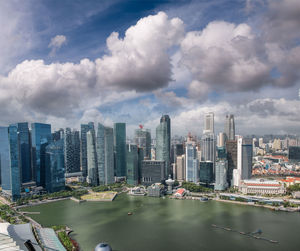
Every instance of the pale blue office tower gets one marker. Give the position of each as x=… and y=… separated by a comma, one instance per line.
x=192, y=164
x=163, y=142
x=5, y=160
x=221, y=175
x=92, y=175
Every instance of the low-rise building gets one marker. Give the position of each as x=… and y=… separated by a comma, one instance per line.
x=155, y=190
x=180, y=192
x=262, y=186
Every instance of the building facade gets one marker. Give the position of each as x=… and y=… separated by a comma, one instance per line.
x=191, y=163
x=221, y=175
x=142, y=138
x=152, y=171
x=92, y=175
x=84, y=128
x=229, y=127
x=120, y=149
x=206, y=174
x=132, y=163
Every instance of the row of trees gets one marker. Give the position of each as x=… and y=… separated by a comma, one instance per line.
x=192, y=187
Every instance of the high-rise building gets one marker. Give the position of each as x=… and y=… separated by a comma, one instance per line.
x=163, y=142
x=221, y=175
x=109, y=155
x=25, y=152
x=229, y=127
x=84, y=128
x=221, y=139
x=206, y=172
x=92, y=176
x=72, y=151
x=40, y=137
x=294, y=153
x=57, y=135
x=5, y=160
x=14, y=156
x=120, y=149
x=152, y=171
x=208, y=123
x=221, y=153
x=231, y=149
x=180, y=166
x=191, y=163
x=208, y=147
x=100, y=148
x=142, y=138
x=55, y=166
x=132, y=159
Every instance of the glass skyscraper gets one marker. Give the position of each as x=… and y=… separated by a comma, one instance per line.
x=120, y=149
x=229, y=127
x=209, y=123
x=72, y=151
x=132, y=159
x=221, y=175
x=206, y=172
x=40, y=137
x=25, y=152
x=163, y=142
x=84, y=128
x=192, y=163
x=142, y=138
x=92, y=177
x=109, y=155
x=55, y=166
x=5, y=160
x=100, y=148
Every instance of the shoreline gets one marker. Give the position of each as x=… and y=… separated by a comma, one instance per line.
x=41, y=202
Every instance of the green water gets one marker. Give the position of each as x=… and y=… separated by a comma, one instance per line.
x=165, y=224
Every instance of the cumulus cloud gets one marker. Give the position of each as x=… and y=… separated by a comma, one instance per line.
x=57, y=42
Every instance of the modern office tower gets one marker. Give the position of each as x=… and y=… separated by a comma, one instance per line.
x=132, y=159
x=229, y=127
x=14, y=156
x=55, y=166
x=206, y=172
x=92, y=176
x=5, y=160
x=221, y=175
x=40, y=137
x=140, y=159
x=231, y=149
x=152, y=171
x=294, y=153
x=176, y=150
x=84, y=128
x=120, y=149
x=163, y=142
x=142, y=138
x=109, y=155
x=208, y=123
x=24, y=152
x=221, y=139
x=72, y=151
x=208, y=147
x=221, y=153
x=100, y=148
x=191, y=163
x=57, y=135
x=180, y=166
x=244, y=160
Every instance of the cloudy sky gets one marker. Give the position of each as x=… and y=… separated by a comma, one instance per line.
x=71, y=62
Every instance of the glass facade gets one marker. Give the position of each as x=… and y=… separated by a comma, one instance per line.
x=84, y=128
x=40, y=137
x=132, y=164
x=100, y=148
x=72, y=151
x=229, y=127
x=109, y=155
x=5, y=159
x=142, y=138
x=55, y=166
x=221, y=175
x=92, y=177
x=192, y=164
x=206, y=172
x=120, y=149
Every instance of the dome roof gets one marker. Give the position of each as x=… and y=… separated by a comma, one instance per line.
x=103, y=247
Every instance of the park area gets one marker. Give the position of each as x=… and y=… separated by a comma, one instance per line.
x=99, y=196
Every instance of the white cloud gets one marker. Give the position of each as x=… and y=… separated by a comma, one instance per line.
x=57, y=42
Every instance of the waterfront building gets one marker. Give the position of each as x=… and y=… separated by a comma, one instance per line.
x=84, y=128
x=294, y=153
x=120, y=149
x=155, y=190
x=152, y=171
x=25, y=152
x=192, y=163
x=206, y=174
x=72, y=151
x=55, y=167
x=221, y=175
x=261, y=186
x=229, y=127
x=132, y=163
x=92, y=175
x=109, y=155
x=163, y=142
x=142, y=138
x=231, y=149
x=180, y=168
x=40, y=137
x=5, y=160
x=209, y=123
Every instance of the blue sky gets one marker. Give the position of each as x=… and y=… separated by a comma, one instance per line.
x=70, y=62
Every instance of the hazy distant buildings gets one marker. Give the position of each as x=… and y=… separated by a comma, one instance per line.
x=142, y=138
x=221, y=139
x=163, y=142
x=229, y=127
x=152, y=171
x=120, y=149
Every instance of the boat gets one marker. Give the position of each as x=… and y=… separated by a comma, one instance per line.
x=242, y=233
x=273, y=241
x=129, y=213
x=227, y=228
x=213, y=225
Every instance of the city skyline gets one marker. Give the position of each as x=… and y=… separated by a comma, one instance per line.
x=90, y=62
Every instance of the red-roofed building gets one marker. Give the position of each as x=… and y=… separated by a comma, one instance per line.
x=180, y=192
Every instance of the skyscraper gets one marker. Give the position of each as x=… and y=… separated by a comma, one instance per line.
x=163, y=142
x=208, y=147
x=221, y=175
x=152, y=171
x=40, y=137
x=132, y=164
x=25, y=152
x=100, y=148
x=191, y=164
x=180, y=166
x=84, y=128
x=120, y=149
x=92, y=176
x=5, y=160
x=55, y=166
x=142, y=138
x=229, y=127
x=109, y=155
x=206, y=172
x=72, y=151
x=231, y=149
x=208, y=123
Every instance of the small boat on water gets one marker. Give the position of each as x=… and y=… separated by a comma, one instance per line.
x=213, y=225
x=129, y=213
x=242, y=233
x=227, y=228
x=273, y=241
